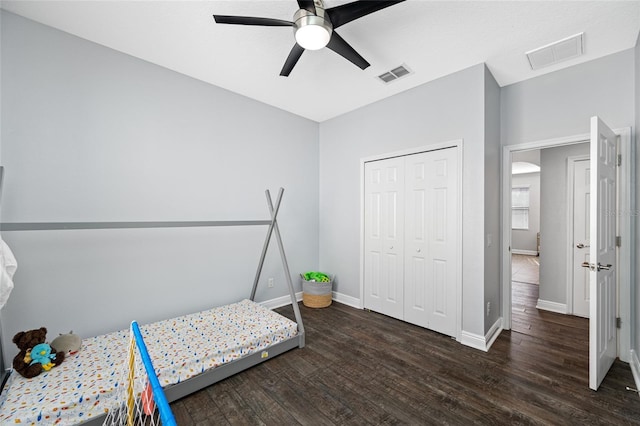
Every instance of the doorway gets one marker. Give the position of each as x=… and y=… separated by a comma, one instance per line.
x=549, y=202
x=525, y=238
x=624, y=224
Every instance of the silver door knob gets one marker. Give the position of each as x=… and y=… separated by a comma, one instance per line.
x=605, y=267
x=594, y=267
x=580, y=246
x=591, y=266
x=418, y=250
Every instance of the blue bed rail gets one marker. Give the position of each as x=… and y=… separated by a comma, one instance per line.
x=166, y=415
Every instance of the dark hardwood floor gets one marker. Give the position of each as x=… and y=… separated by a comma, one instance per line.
x=361, y=367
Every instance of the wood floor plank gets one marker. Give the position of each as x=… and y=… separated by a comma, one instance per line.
x=363, y=368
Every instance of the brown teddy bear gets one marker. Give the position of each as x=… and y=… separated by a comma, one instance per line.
x=35, y=355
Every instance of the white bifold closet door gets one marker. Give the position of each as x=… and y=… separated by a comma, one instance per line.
x=411, y=238
x=384, y=236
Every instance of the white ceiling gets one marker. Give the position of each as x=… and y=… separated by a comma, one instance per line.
x=433, y=38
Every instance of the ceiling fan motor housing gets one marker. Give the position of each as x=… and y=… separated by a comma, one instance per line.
x=312, y=31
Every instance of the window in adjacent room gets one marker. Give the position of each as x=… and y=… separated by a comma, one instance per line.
x=520, y=207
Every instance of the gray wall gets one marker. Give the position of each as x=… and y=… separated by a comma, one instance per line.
x=561, y=103
x=2, y=363
x=636, y=288
x=91, y=134
x=445, y=109
x=492, y=293
x=527, y=239
x=553, y=221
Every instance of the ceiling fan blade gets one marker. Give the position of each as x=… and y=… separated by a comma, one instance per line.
x=307, y=5
x=292, y=60
x=250, y=20
x=342, y=48
x=345, y=13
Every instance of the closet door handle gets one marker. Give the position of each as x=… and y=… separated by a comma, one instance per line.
x=418, y=250
x=391, y=248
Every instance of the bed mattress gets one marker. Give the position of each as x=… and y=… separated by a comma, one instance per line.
x=85, y=385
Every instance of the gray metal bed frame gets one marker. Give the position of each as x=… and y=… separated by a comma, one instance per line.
x=209, y=377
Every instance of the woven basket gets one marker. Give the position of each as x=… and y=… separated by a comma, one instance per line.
x=317, y=294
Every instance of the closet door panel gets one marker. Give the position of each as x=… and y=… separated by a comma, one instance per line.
x=416, y=254
x=384, y=233
x=373, y=238
x=442, y=236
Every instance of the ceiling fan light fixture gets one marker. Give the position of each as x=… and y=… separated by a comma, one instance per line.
x=312, y=32
x=313, y=37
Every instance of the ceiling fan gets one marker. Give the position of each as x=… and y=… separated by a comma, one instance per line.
x=314, y=27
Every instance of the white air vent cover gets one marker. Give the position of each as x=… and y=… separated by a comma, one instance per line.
x=562, y=50
x=395, y=74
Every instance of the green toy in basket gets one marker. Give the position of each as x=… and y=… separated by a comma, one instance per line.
x=316, y=289
x=317, y=277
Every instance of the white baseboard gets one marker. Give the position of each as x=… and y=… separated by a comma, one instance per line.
x=280, y=301
x=546, y=305
x=494, y=332
x=635, y=368
x=482, y=343
x=525, y=252
x=286, y=300
x=473, y=340
x=354, y=302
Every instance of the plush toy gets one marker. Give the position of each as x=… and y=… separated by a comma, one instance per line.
x=41, y=354
x=68, y=343
x=35, y=355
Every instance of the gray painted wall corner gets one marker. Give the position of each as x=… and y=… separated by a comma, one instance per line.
x=492, y=153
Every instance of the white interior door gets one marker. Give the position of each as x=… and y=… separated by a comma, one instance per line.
x=581, y=240
x=384, y=234
x=602, y=265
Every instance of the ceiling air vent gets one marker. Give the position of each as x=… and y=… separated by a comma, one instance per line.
x=395, y=74
x=562, y=50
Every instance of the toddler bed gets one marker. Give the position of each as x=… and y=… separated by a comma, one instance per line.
x=188, y=352
x=84, y=386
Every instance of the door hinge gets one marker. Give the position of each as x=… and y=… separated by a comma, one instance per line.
x=619, y=159
x=618, y=241
x=618, y=322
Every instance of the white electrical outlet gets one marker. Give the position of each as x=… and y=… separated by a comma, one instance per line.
x=270, y=283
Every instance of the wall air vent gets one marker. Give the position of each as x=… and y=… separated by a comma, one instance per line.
x=561, y=50
x=395, y=74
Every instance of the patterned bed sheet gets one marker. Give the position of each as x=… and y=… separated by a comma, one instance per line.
x=85, y=385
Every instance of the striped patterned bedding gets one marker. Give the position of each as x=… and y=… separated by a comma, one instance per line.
x=84, y=386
